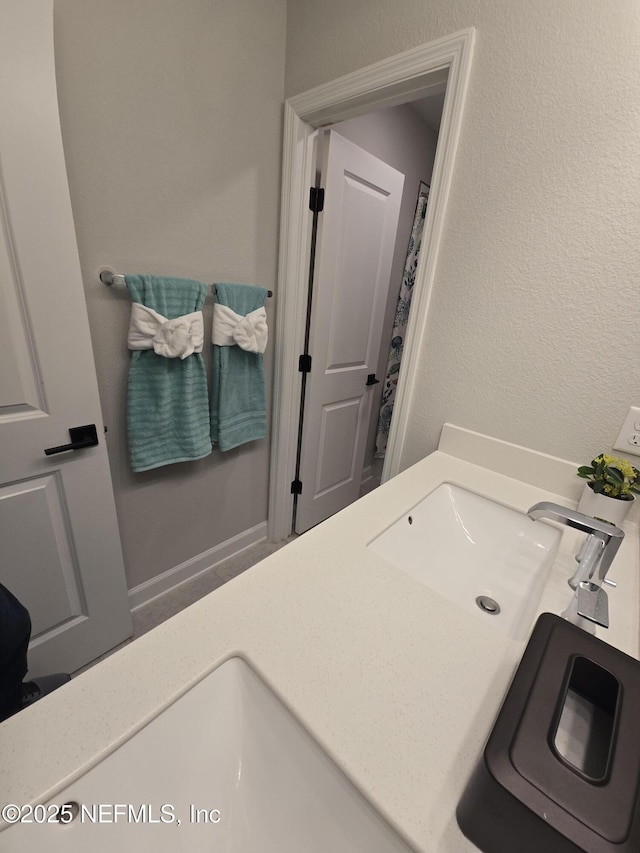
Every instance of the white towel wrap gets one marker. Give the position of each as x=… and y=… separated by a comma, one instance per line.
x=177, y=338
x=250, y=333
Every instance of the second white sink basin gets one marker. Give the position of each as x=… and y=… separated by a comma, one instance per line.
x=475, y=552
x=225, y=768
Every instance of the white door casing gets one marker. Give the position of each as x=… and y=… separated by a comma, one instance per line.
x=60, y=550
x=355, y=246
x=397, y=79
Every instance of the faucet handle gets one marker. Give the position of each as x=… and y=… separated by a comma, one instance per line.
x=593, y=603
x=588, y=557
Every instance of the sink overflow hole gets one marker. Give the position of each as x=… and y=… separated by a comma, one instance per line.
x=488, y=605
x=68, y=812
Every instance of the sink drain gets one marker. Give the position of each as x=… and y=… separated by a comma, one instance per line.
x=488, y=605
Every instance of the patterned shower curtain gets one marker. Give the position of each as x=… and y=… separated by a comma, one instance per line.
x=400, y=322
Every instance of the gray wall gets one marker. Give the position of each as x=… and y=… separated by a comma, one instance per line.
x=171, y=118
x=172, y=122
x=400, y=137
x=532, y=334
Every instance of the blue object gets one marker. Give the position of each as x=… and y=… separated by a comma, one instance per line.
x=238, y=409
x=15, y=631
x=167, y=406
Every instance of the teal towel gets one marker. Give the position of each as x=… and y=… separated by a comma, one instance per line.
x=238, y=411
x=167, y=405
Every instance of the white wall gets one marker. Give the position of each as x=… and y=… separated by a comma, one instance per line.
x=400, y=137
x=171, y=118
x=533, y=326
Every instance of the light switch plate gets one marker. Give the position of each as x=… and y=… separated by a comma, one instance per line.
x=628, y=440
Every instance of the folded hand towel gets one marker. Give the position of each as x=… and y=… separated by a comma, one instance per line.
x=249, y=333
x=176, y=338
x=238, y=410
x=167, y=406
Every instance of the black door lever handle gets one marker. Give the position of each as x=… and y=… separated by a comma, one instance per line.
x=371, y=379
x=83, y=436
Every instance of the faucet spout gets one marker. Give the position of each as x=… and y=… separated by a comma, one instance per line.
x=595, y=558
x=573, y=518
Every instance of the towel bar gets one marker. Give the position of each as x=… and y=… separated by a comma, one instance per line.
x=110, y=278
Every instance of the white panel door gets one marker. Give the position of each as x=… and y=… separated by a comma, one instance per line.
x=356, y=240
x=60, y=549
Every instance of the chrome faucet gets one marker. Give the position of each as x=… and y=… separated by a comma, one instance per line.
x=594, y=561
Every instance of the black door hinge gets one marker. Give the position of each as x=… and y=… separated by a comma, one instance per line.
x=296, y=487
x=316, y=199
x=304, y=363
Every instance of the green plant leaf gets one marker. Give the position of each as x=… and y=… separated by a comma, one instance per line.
x=615, y=474
x=585, y=471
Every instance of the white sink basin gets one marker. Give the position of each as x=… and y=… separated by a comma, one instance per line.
x=229, y=752
x=465, y=546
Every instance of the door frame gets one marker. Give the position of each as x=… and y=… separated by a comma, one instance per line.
x=399, y=79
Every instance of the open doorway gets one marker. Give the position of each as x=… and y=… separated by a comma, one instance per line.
x=408, y=77
x=371, y=170
x=405, y=137
x=348, y=292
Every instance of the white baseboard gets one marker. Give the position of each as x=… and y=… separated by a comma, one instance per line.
x=192, y=568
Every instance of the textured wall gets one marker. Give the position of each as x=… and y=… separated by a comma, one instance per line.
x=171, y=117
x=532, y=333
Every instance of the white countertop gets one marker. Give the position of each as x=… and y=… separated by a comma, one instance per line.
x=398, y=685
